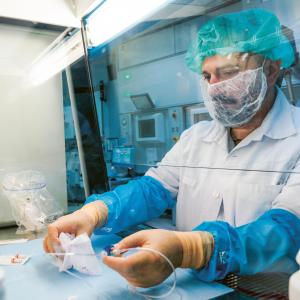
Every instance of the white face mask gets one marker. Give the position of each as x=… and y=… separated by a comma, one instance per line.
x=235, y=101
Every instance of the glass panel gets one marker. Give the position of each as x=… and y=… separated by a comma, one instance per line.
x=148, y=59
x=45, y=92
x=227, y=171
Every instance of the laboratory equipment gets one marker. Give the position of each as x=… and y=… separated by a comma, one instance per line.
x=142, y=102
x=126, y=129
x=122, y=160
x=175, y=122
x=195, y=114
x=123, y=156
x=150, y=128
x=35, y=137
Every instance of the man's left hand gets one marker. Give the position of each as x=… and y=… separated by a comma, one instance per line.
x=144, y=268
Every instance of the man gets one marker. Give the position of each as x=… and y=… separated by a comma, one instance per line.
x=235, y=179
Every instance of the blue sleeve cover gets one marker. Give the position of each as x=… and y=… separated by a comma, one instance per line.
x=251, y=248
x=138, y=201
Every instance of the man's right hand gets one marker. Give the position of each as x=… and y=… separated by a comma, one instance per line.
x=86, y=219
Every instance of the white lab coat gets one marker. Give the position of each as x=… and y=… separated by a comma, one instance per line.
x=235, y=196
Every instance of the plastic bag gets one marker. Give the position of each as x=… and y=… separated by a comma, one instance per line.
x=32, y=205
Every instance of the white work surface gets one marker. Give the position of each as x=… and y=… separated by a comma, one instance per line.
x=39, y=279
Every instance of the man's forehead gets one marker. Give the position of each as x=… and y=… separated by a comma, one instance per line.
x=233, y=59
x=218, y=61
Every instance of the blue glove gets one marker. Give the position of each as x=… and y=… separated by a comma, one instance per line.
x=271, y=242
x=138, y=201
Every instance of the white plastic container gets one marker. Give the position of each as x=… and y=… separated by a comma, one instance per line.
x=2, y=275
x=294, y=283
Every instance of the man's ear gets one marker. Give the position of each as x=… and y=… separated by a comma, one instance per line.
x=272, y=71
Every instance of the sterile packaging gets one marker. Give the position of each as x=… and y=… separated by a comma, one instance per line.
x=33, y=208
x=78, y=254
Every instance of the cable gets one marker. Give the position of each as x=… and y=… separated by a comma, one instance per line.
x=147, y=296
x=131, y=288
x=88, y=284
x=80, y=278
x=220, y=168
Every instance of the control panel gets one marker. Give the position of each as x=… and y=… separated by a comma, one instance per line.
x=176, y=123
x=126, y=129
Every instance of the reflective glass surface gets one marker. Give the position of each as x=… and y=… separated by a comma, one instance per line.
x=164, y=56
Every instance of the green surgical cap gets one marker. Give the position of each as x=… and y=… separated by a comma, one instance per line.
x=256, y=31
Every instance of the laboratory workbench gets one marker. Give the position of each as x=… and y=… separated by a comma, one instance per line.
x=40, y=279
x=39, y=276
